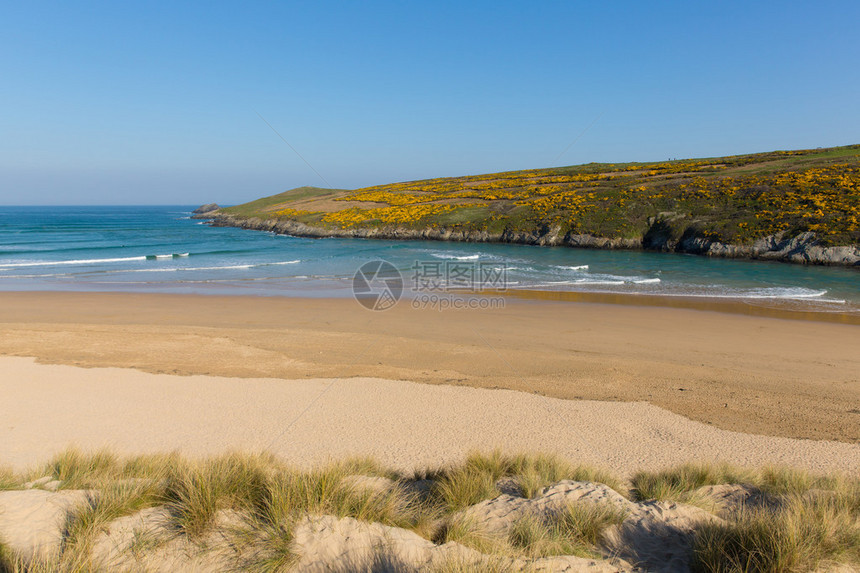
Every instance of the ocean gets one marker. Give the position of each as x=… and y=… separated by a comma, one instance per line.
x=161, y=249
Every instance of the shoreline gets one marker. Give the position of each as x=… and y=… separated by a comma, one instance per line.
x=785, y=309
x=752, y=374
x=770, y=308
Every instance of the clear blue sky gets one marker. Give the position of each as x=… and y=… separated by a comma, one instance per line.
x=157, y=102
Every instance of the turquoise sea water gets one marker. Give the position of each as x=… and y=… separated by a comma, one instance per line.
x=160, y=249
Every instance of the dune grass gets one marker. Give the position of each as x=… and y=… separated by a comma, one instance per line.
x=327, y=491
x=111, y=501
x=77, y=469
x=487, y=565
x=6, y=558
x=193, y=498
x=56, y=564
x=534, y=537
x=574, y=529
x=275, y=547
x=464, y=530
x=465, y=487
x=290, y=495
x=679, y=483
x=8, y=479
x=475, y=480
x=676, y=483
x=805, y=532
x=807, y=521
x=586, y=522
x=780, y=481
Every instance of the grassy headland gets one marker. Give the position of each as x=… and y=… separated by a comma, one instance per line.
x=739, y=206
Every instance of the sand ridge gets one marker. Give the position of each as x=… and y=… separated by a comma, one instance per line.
x=404, y=425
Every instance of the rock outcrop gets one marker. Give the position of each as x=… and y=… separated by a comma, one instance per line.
x=804, y=248
x=205, y=211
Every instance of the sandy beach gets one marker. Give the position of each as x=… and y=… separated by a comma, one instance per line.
x=647, y=374
x=751, y=374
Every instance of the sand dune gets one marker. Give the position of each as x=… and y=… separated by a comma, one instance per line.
x=650, y=535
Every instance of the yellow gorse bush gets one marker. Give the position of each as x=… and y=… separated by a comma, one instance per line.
x=397, y=215
x=733, y=206
x=291, y=213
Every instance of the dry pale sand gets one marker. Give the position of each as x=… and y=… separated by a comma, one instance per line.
x=756, y=374
x=402, y=424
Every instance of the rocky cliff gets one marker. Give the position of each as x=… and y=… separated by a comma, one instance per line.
x=804, y=248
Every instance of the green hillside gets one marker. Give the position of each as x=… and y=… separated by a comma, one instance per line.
x=733, y=200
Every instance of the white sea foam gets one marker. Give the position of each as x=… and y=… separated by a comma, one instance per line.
x=158, y=269
x=798, y=294
x=455, y=257
x=573, y=268
x=280, y=263
x=577, y=282
x=782, y=292
x=598, y=282
x=13, y=265
x=80, y=262
x=227, y=267
x=214, y=268
x=175, y=269
x=646, y=281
